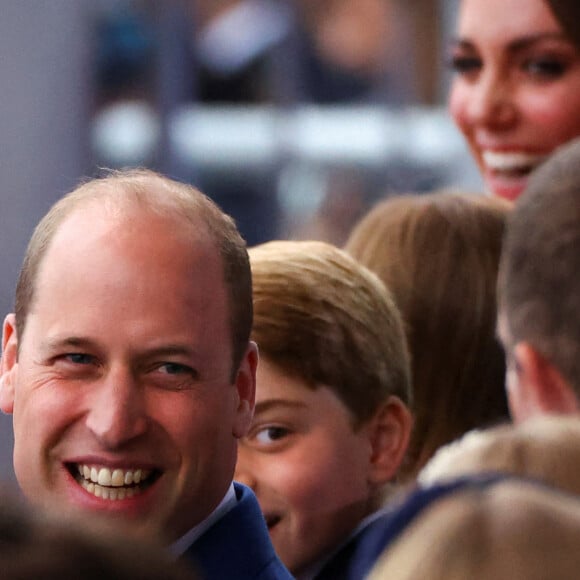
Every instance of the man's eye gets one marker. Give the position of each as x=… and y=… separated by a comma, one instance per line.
x=271, y=434
x=176, y=369
x=79, y=358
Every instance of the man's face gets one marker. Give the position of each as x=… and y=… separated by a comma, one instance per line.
x=122, y=396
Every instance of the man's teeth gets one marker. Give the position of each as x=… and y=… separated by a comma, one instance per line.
x=110, y=484
x=116, y=478
x=511, y=161
x=111, y=493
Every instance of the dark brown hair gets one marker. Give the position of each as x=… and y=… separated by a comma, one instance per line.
x=567, y=12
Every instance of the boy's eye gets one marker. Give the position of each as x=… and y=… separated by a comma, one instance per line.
x=271, y=434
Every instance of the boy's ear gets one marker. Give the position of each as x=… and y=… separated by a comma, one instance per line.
x=535, y=386
x=8, y=364
x=389, y=432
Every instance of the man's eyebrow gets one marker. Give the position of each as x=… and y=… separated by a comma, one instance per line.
x=264, y=406
x=58, y=342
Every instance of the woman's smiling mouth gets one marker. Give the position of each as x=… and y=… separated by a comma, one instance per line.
x=511, y=164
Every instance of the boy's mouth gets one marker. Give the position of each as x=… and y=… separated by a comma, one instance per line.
x=112, y=484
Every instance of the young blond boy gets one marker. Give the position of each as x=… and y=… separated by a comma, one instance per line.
x=332, y=422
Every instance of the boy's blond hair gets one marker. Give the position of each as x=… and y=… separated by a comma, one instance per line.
x=322, y=317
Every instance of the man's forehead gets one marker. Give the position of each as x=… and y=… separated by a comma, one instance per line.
x=104, y=248
x=96, y=218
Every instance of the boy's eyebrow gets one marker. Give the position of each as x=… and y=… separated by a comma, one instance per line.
x=263, y=406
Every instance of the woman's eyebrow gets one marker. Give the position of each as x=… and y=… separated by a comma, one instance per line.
x=527, y=41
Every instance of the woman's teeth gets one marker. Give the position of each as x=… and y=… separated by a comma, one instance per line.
x=512, y=163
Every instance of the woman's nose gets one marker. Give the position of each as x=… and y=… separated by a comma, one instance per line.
x=492, y=102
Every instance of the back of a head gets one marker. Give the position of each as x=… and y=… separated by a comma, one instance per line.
x=322, y=317
x=35, y=545
x=539, y=283
x=509, y=531
x=439, y=255
x=546, y=449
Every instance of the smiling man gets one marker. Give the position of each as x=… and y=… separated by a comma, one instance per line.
x=129, y=372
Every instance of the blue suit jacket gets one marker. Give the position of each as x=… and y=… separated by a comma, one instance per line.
x=237, y=546
x=356, y=558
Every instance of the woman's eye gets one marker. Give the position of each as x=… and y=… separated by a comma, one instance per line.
x=464, y=64
x=545, y=68
x=271, y=434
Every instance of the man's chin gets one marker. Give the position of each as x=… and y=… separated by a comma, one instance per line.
x=132, y=523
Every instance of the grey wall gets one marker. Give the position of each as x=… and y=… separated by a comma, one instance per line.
x=44, y=75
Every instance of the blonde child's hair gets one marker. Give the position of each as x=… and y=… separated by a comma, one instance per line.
x=513, y=530
x=546, y=448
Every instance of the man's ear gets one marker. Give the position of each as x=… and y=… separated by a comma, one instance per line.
x=535, y=386
x=8, y=364
x=389, y=431
x=245, y=384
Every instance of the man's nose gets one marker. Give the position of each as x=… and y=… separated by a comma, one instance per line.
x=117, y=412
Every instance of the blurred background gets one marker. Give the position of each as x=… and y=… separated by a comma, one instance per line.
x=295, y=116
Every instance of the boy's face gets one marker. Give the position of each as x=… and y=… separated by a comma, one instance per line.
x=307, y=466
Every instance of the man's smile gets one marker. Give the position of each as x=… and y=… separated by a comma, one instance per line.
x=112, y=484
